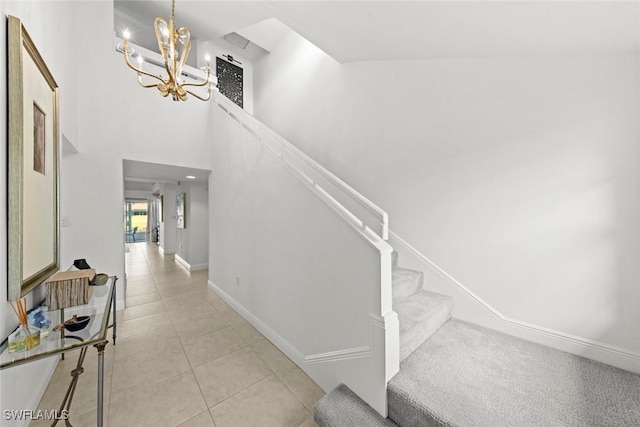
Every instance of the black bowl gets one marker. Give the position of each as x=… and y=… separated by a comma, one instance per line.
x=80, y=323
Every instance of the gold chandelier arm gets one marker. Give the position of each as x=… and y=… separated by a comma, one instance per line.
x=195, y=84
x=201, y=98
x=137, y=70
x=146, y=85
x=204, y=83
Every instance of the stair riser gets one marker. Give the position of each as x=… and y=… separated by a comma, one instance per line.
x=406, y=284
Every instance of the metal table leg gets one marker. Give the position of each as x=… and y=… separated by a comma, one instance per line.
x=100, y=401
x=68, y=397
x=113, y=307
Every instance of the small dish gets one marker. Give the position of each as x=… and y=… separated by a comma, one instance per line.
x=100, y=279
x=76, y=323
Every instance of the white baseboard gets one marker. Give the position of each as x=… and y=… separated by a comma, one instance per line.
x=479, y=311
x=169, y=255
x=194, y=267
x=269, y=333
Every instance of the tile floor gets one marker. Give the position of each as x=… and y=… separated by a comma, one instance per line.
x=184, y=358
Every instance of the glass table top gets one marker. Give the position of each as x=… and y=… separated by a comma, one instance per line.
x=98, y=309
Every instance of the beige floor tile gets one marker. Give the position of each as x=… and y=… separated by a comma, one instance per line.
x=248, y=333
x=172, y=277
x=202, y=420
x=198, y=325
x=143, y=310
x=148, y=368
x=273, y=357
x=140, y=289
x=231, y=315
x=206, y=348
x=190, y=303
x=137, y=346
x=132, y=301
x=267, y=403
x=307, y=392
x=230, y=374
x=141, y=326
x=172, y=289
x=169, y=402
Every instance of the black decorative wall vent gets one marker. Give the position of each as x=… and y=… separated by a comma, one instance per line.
x=230, y=79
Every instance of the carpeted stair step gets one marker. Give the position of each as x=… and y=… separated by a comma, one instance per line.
x=341, y=407
x=467, y=375
x=420, y=316
x=405, y=283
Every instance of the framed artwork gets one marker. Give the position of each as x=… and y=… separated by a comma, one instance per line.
x=230, y=80
x=33, y=169
x=180, y=218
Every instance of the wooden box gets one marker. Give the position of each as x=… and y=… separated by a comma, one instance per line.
x=69, y=288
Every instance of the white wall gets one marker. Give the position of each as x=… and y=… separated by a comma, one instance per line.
x=137, y=195
x=21, y=387
x=193, y=241
x=517, y=175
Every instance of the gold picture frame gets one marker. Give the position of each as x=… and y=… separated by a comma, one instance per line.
x=34, y=163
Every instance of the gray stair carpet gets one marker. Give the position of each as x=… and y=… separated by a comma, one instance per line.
x=420, y=316
x=341, y=407
x=466, y=375
x=405, y=283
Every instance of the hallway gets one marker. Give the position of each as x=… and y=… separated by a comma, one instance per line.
x=184, y=358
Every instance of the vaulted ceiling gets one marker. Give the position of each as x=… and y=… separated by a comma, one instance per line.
x=387, y=30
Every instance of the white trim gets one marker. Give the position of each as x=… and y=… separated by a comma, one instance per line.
x=605, y=353
x=188, y=266
x=348, y=353
x=169, y=255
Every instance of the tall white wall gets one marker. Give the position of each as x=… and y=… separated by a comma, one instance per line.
x=193, y=241
x=517, y=175
x=21, y=387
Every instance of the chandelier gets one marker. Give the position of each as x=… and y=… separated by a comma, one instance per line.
x=174, y=44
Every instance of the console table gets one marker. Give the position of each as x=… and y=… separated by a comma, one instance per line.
x=100, y=308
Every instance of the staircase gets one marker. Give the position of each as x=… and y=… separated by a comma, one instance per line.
x=455, y=373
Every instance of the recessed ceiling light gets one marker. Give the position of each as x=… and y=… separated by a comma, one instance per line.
x=191, y=177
